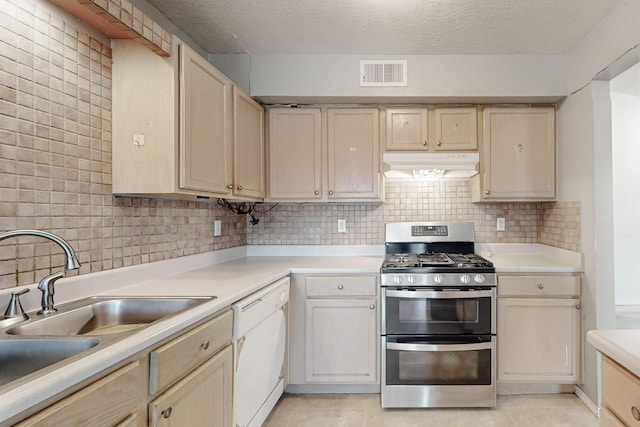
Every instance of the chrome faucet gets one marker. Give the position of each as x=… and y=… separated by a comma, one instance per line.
x=46, y=284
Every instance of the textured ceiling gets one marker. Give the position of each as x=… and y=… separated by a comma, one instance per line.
x=404, y=27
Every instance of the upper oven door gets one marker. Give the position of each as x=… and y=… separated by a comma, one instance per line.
x=430, y=311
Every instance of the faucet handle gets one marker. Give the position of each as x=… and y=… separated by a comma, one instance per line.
x=14, y=309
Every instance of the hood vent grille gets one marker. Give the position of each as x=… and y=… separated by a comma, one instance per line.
x=383, y=73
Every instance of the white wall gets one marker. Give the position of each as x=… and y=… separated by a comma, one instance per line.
x=626, y=203
x=283, y=78
x=585, y=166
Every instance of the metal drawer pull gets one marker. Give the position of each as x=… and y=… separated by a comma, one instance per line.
x=636, y=413
x=167, y=412
x=340, y=286
x=540, y=286
x=438, y=347
x=578, y=306
x=438, y=294
x=205, y=346
x=372, y=307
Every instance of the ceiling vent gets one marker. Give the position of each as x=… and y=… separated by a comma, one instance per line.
x=383, y=73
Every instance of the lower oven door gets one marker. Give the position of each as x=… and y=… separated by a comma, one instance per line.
x=454, y=371
x=431, y=311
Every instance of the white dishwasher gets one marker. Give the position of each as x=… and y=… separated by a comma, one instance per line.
x=259, y=341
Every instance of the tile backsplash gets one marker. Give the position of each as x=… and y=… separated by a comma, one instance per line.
x=55, y=174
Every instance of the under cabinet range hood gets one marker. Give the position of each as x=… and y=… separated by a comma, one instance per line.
x=430, y=165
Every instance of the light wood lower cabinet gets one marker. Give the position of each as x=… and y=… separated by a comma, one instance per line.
x=620, y=395
x=539, y=329
x=202, y=398
x=187, y=381
x=334, y=324
x=107, y=402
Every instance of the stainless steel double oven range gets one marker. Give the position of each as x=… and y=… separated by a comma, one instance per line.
x=438, y=318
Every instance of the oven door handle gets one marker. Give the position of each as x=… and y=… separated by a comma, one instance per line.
x=439, y=294
x=439, y=347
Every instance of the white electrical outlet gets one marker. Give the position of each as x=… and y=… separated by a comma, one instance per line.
x=342, y=226
x=217, y=227
x=500, y=224
x=138, y=139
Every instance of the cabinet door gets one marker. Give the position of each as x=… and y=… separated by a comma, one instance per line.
x=518, y=161
x=538, y=340
x=205, y=134
x=456, y=129
x=295, y=154
x=353, y=153
x=341, y=341
x=248, y=145
x=202, y=398
x=104, y=403
x=407, y=129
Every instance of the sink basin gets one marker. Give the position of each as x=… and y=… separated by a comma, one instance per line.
x=106, y=315
x=20, y=357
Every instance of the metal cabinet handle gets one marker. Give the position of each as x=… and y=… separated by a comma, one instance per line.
x=578, y=307
x=372, y=307
x=330, y=192
x=340, y=286
x=167, y=412
x=230, y=187
x=635, y=413
x=487, y=192
x=540, y=286
x=205, y=346
x=317, y=192
x=439, y=143
x=239, y=187
x=425, y=143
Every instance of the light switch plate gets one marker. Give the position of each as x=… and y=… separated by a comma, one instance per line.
x=500, y=224
x=217, y=227
x=342, y=226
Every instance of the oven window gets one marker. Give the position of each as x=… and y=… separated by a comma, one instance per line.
x=440, y=310
x=422, y=366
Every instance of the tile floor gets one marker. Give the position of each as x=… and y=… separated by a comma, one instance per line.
x=363, y=410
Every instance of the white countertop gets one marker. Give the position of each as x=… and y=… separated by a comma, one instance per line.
x=230, y=275
x=621, y=345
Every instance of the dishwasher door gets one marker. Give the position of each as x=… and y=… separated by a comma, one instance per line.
x=259, y=353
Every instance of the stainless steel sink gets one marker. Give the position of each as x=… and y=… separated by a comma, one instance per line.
x=22, y=356
x=105, y=316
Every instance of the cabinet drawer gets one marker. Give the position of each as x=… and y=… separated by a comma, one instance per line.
x=337, y=286
x=607, y=419
x=174, y=359
x=538, y=286
x=620, y=391
x=118, y=392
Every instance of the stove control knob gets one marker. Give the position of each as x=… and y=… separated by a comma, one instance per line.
x=465, y=278
x=397, y=279
x=479, y=278
x=438, y=278
x=411, y=279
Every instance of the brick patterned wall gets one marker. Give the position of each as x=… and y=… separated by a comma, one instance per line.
x=55, y=159
x=405, y=201
x=560, y=225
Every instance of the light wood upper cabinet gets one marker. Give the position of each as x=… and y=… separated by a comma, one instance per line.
x=518, y=156
x=173, y=127
x=248, y=144
x=439, y=129
x=318, y=154
x=539, y=328
x=353, y=153
x=205, y=134
x=295, y=154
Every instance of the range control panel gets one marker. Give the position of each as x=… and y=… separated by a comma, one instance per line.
x=429, y=230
